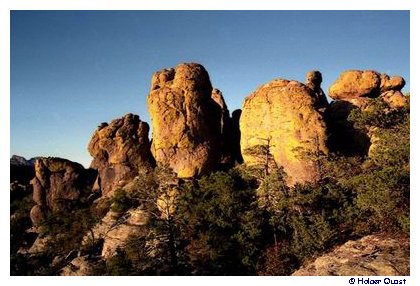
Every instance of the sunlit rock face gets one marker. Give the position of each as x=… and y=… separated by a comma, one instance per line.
x=372, y=255
x=357, y=89
x=282, y=114
x=186, y=121
x=119, y=149
x=358, y=86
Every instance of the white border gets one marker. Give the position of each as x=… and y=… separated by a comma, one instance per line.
x=8, y=5
x=208, y=5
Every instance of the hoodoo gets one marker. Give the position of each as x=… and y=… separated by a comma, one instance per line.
x=186, y=121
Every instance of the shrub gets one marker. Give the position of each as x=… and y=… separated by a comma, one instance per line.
x=120, y=202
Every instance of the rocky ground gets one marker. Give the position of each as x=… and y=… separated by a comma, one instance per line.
x=371, y=255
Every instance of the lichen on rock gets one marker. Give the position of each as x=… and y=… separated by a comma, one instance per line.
x=284, y=113
x=371, y=255
x=186, y=121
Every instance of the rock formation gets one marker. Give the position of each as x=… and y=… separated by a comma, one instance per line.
x=114, y=230
x=119, y=149
x=371, y=255
x=56, y=182
x=217, y=97
x=282, y=114
x=356, y=87
x=225, y=128
x=186, y=121
x=313, y=81
x=236, y=137
x=394, y=98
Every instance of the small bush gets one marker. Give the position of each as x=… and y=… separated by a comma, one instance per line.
x=120, y=202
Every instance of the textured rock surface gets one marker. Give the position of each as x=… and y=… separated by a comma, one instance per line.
x=357, y=86
x=80, y=266
x=56, y=182
x=119, y=149
x=355, y=89
x=114, y=230
x=283, y=111
x=37, y=214
x=226, y=129
x=354, y=84
x=40, y=245
x=313, y=81
x=395, y=99
x=371, y=255
x=217, y=96
x=186, y=121
x=391, y=83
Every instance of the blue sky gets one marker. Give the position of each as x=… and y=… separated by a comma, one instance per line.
x=72, y=70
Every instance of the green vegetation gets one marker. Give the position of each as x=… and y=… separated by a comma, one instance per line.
x=247, y=221
x=120, y=202
x=383, y=182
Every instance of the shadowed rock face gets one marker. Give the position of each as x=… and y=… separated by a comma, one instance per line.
x=236, y=137
x=217, y=96
x=119, y=149
x=225, y=127
x=57, y=182
x=356, y=89
x=371, y=255
x=313, y=81
x=283, y=112
x=186, y=121
x=344, y=137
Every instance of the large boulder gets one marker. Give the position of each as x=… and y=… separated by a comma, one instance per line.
x=58, y=182
x=282, y=115
x=119, y=149
x=357, y=89
x=370, y=255
x=354, y=84
x=357, y=86
x=186, y=121
x=394, y=98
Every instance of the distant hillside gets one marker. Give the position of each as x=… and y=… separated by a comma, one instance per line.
x=17, y=160
x=21, y=170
